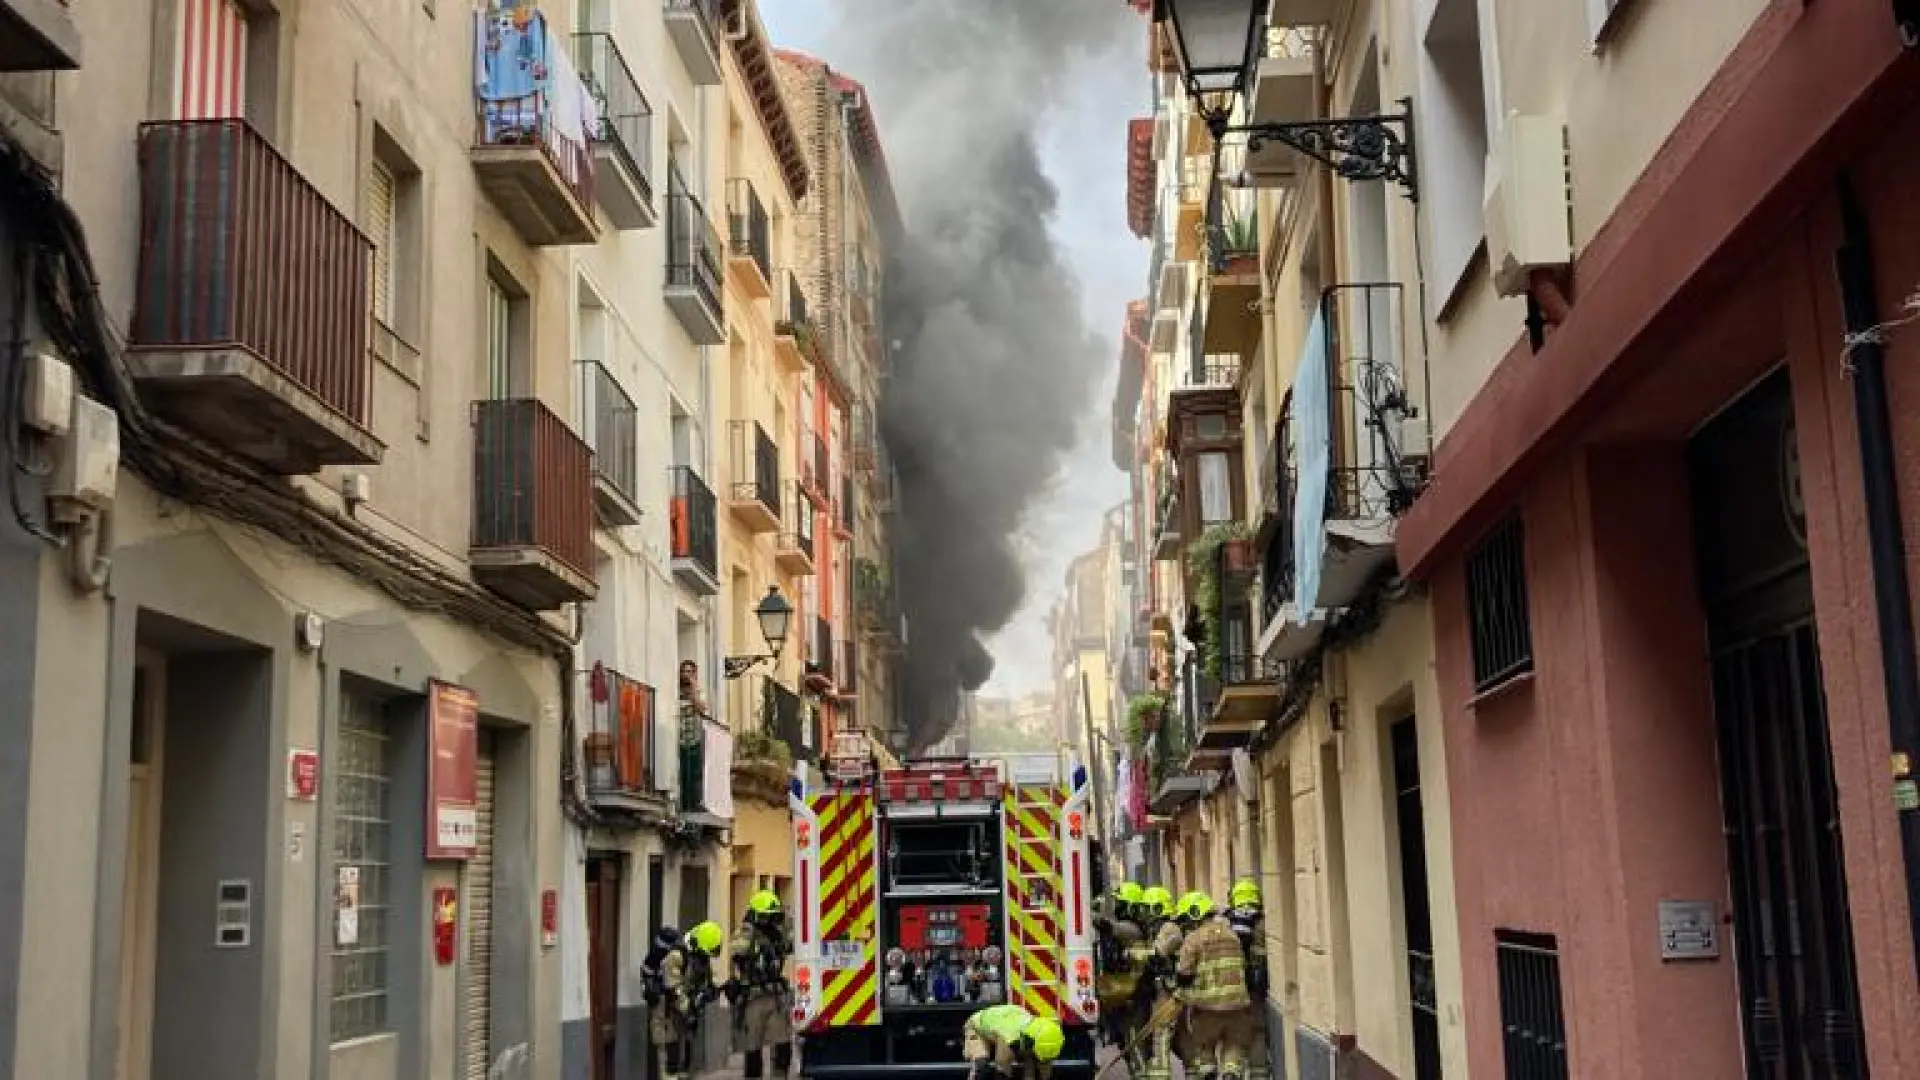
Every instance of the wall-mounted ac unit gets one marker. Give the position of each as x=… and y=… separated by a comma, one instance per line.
x=1528, y=207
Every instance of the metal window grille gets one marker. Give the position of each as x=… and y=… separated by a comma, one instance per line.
x=1499, y=628
x=1533, y=1025
x=362, y=829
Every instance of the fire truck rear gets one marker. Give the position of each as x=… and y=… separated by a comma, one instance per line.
x=928, y=892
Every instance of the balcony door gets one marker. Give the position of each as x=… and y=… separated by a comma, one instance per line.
x=506, y=335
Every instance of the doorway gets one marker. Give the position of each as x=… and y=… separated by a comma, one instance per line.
x=1792, y=937
x=1422, y=999
x=141, y=884
x=603, y=961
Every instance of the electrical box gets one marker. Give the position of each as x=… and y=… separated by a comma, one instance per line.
x=48, y=404
x=1528, y=201
x=88, y=462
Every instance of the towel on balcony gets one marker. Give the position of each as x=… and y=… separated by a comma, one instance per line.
x=510, y=71
x=1311, y=428
x=719, y=771
x=574, y=113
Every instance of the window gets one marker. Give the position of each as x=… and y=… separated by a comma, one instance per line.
x=1533, y=1024
x=380, y=229
x=1460, y=95
x=1499, y=627
x=508, y=335
x=1216, y=488
x=361, y=823
x=210, y=61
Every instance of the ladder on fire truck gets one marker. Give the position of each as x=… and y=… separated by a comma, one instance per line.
x=1034, y=843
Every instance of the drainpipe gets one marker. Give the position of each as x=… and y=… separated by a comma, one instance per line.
x=1886, y=542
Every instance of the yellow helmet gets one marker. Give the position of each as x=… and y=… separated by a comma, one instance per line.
x=1157, y=900
x=1246, y=893
x=764, y=902
x=1195, y=905
x=707, y=937
x=1131, y=893
x=1044, y=1033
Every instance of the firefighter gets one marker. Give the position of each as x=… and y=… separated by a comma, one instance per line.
x=758, y=989
x=679, y=980
x=1152, y=1057
x=1006, y=1042
x=1122, y=956
x=1248, y=920
x=1212, y=974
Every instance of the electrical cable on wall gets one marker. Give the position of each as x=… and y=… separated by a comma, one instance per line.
x=1877, y=334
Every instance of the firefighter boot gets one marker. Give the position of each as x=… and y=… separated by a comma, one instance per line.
x=782, y=1058
x=752, y=1063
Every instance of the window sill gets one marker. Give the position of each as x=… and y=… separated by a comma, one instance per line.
x=396, y=354
x=1500, y=690
x=363, y=1041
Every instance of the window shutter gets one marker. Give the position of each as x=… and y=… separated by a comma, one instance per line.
x=380, y=198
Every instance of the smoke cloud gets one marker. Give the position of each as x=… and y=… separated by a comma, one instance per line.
x=995, y=368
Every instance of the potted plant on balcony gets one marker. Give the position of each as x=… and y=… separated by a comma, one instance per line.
x=761, y=764
x=1144, y=714
x=1201, y=557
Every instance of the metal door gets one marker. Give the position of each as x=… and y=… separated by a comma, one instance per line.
x=1422, y=1001
x=1792, y=938
x=476, y=997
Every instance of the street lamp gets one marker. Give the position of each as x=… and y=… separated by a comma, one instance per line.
x=774, y=613
x=1218, y=45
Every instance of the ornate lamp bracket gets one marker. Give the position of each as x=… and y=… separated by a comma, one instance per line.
x=1354, y=147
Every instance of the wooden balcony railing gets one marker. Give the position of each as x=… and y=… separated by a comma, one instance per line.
x=238, y=249
x=533, y=483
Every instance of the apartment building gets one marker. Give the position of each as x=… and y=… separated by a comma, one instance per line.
x=842, y=234
x=1551, y=428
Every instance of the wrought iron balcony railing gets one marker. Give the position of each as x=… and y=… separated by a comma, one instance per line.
x=611, y=425
x=693, y=244
x=626, y=119
x=693, y=521
x=747, y=226
x=756, y=467
x=1379, y=449
x=623, y=751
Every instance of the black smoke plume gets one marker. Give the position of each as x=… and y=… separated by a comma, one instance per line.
x=994, y=368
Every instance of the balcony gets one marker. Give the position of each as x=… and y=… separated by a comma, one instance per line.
x=240, y=334
x=1232, y=319
x=1285, y=90
x=696, y=537
x=881, y=621
x=846, y=504
x=749, y=242
x=753, y=498
x=1291, y=13
x=813, y=467
x=793, y=551
x=611, y=425
x=1378, y=449
x=864, y=446
x=539, y=177
x=532, y=505
x=1190, y=214
x=848, y=664
x=1166, y=545
x=623, y=143
x=693, y=266
x=694, y=26
x=625, y=768
x=38, y=35
x=820, y=650
x=793, y=331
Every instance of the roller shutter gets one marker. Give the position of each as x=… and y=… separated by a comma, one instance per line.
x=476, y=997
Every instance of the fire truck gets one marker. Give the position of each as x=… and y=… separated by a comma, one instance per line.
x=929, y=891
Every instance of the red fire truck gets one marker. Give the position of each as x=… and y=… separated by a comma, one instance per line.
x=927, y=892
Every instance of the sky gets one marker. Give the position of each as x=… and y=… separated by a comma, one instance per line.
x=1085, y=156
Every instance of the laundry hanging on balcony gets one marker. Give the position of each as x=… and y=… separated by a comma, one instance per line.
x=529, y=90
x=718, y=780
x=1310, y=428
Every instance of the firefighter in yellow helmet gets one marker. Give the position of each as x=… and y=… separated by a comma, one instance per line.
x=758, y=989
x=1152, y=1057
x=1122, y=953
x=1006, y=1042
x=1212, y=974
x=680, y=986
x=1247, y=916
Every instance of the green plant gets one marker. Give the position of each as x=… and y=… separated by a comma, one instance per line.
x=869, y=580
x=1202, y=556
x=762, y=746
x=1140, y=710
x=1239, y=236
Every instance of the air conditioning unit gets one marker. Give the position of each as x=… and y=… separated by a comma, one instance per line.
x=1528, y=201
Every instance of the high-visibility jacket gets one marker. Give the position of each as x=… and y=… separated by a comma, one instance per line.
x=1001, y=1025
x=1213, y=968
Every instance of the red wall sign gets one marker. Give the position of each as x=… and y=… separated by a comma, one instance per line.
x=446, y=925
x=453, y=747
x=303, y=775
x=549, y=918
